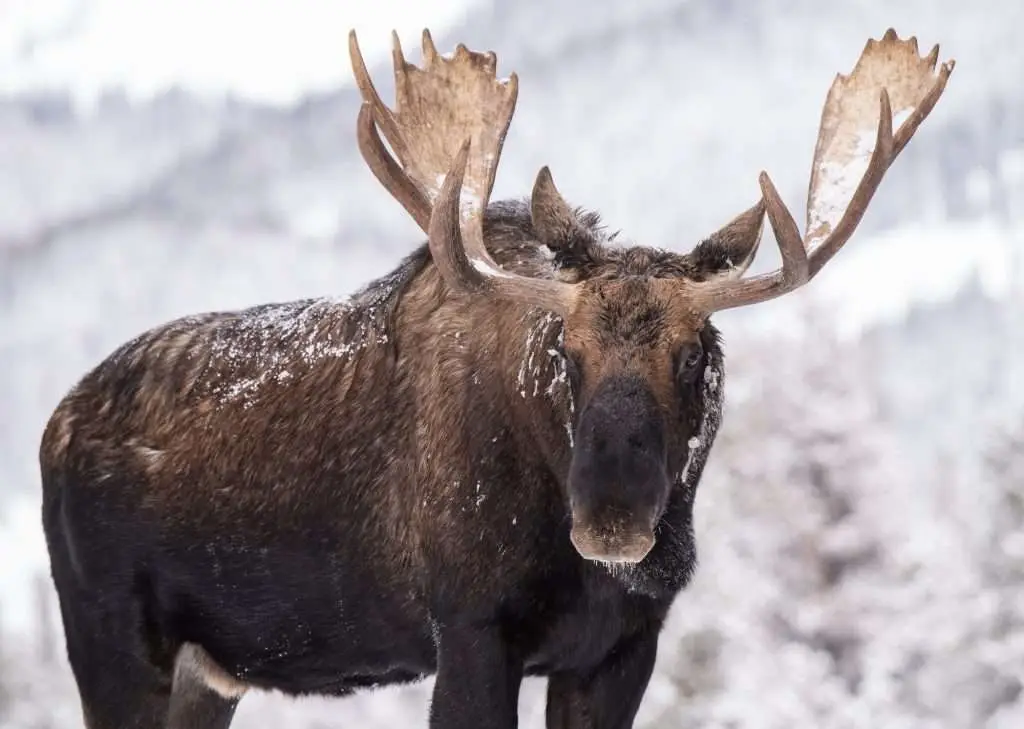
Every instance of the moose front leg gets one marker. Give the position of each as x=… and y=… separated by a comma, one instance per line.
x=478, y=680
x=607, y=697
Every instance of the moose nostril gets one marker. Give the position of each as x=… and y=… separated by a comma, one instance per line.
x=635, y=442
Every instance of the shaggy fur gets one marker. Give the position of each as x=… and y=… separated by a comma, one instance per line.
x=325, y=495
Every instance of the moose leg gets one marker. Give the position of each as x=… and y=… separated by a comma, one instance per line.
x=609, y=696
x=477, y=684
x=203, y=695
x=118, y=687
x=116, y=690
x=120, y=701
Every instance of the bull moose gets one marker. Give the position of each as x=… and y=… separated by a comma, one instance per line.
x=479, y=467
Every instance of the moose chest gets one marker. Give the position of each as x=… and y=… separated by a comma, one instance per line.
x=586, y=620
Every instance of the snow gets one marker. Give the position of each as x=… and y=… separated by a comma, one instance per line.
x=837, y=181
x=712, y=378
x=532, y=362
x=560, y=385
x=487, y=269
x=691, y=450
x=697, y=445
x=314, y=331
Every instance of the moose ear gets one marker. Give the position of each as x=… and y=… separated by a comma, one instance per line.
x=554, y=222
x=727, y=253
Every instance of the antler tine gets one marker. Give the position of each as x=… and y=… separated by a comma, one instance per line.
x=794, y=257
x=907, y=129
x=388, y=173
x=844, y=177
x=384, y=168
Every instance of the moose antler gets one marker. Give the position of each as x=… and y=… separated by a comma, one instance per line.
x=447, y=131
x=855, y=147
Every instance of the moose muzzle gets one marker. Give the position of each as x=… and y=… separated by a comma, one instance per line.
x=618, y=479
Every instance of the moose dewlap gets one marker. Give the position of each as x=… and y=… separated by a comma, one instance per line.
x=482, y=466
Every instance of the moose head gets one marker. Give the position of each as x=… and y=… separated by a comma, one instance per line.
x=636, y=322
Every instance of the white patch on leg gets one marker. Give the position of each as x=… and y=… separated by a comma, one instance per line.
x=194, y=664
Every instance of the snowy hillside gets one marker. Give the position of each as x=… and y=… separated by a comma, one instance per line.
x=274, y=51
x=860, y=524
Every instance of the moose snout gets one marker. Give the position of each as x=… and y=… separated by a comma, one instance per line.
x=618, y=484
x=618, y=535
x=627, y=546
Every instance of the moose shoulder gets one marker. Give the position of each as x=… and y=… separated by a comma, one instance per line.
x=482, y=466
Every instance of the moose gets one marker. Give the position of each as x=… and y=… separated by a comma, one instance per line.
x=480, y=467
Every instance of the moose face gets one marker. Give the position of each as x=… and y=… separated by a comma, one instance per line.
x=636, y=354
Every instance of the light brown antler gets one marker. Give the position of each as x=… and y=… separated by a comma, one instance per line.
x=447, y=131
x=855, y=147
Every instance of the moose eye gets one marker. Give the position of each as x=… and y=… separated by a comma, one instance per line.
x=689, y=360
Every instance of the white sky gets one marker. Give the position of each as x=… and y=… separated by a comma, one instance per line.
x=270, y=50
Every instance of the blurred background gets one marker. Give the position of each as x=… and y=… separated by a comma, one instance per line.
x=861, y=521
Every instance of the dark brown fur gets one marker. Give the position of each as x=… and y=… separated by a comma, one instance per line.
x=324, y=495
